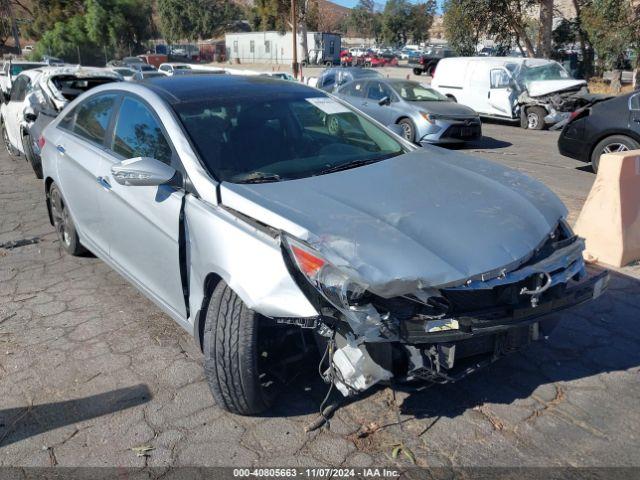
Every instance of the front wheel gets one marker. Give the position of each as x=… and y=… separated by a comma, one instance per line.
x=535, y=118
x=408, y=130
x=234, y=352
x=417, y=71
x=612, y=144
x=63, y=224
x=32, y=157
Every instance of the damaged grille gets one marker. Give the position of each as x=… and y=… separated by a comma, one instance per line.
x=537, y=287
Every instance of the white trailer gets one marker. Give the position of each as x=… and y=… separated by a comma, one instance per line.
x=277, y=48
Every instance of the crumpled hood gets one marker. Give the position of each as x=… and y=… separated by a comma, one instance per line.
x=446, y=109
x=538, y=88
x=431, y=217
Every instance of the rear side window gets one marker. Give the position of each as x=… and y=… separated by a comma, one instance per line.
x=20, y=89
x=138, y=133
x=634, y=102
x=67, y=121
x=93, y=116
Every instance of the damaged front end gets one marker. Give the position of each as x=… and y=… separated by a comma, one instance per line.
x=438, y=333
x=559, y=104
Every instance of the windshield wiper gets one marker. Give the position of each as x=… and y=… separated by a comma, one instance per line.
x=260, y=177
x=353, y=164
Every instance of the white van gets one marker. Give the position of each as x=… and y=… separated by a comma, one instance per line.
x=535, y=91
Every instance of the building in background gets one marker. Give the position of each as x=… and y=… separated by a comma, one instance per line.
x=277, y=48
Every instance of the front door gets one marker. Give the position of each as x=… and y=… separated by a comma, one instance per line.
x=501, y=93
x=376, y=91
x=143, y=222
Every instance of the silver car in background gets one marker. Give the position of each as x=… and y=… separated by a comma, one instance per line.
x=425, y=115
x=265, y=217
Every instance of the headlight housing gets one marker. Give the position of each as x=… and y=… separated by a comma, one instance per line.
x=340, y=290
x=332, y=283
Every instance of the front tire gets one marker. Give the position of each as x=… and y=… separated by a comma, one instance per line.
x=408, y=130
x=32, y=157
x=535, y=118
x=232, y=354
x=612, y=144
x=417, y=71
x=63, y=224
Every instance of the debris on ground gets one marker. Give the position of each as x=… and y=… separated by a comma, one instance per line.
x=142, y=450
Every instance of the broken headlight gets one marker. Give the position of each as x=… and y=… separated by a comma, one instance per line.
x=334, y=285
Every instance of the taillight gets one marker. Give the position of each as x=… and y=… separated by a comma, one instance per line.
x=581, y=112
x=41, y=142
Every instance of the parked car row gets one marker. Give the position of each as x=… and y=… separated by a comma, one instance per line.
x=280, y=217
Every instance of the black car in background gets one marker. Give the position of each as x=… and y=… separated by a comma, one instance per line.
x=605, y=127
x=427, y=63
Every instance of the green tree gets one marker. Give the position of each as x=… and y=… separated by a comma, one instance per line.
x=119, y=24
x=396, y=21
x=464, y=24
x=196, y=19
x=611, y=28
x=421, y=20
x=364, y=20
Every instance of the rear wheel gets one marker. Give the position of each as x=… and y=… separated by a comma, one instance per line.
x=417, y=71
x=32, y=157
x=431, y=70
x=5, y=139
x=612, y=144
x=408, y=130
x=535, y=118
x=235, y=352
x=63, y=224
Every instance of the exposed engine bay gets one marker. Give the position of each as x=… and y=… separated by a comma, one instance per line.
x=442, y=334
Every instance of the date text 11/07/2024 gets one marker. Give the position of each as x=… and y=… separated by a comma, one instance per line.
x=368, y=472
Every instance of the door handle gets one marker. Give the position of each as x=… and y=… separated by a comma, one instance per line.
x=104, y=183
x=60, y=149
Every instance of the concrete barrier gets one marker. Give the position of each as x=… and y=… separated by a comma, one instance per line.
x=610, y=218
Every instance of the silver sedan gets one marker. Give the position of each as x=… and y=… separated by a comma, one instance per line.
x=425, y=115
x=264, y=215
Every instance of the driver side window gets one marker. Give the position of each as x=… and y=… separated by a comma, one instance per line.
x=499, y=78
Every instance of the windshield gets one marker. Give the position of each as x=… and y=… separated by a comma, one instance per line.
x=181, y=67
x=17, y=68
x=415, y=92
x=550, y=71
x=296, y=135
x=125, y=72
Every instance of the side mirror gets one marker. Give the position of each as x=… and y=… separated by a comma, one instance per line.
x=142, y=171
x=384, y=101
x=397, y=129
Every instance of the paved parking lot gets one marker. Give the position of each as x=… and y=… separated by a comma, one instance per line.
x=90, y=369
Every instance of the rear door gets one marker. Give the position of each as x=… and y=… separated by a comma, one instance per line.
x=80, y=144
x=143, y=222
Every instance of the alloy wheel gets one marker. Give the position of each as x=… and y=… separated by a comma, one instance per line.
x=60, y=216
x=407, y=133
x=615, y=148
x=532, y=120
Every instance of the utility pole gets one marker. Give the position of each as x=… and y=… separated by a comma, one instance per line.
x=14, y=25
x=294, y=21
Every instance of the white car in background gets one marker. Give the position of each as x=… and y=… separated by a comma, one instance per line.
x=170, y=69
x=11, y=69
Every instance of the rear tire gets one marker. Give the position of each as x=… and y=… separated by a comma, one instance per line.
x=535, y=118
x=32, y=157
x=417, y=71
x=612, y=144
x=5, y=139
x=232, y=353
x=63, y=224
